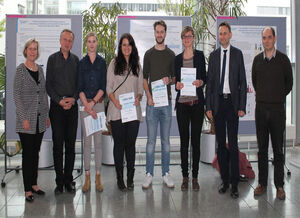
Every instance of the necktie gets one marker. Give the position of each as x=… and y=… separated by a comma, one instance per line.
x=223, y=73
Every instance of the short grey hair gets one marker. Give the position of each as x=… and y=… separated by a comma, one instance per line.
x=68, y=31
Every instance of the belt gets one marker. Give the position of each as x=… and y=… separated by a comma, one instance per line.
x=225, y=96
x=99, y=101
x=191, y=103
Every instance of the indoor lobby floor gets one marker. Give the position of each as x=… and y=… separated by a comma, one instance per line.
x=157, y=201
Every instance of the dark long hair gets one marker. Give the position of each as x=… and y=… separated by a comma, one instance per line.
x=121, y=64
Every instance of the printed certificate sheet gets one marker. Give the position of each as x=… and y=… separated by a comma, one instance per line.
x=94, y=125
x=188, y=76
x=128, y=112
x=159, y=93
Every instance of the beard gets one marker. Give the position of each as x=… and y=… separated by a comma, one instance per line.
x=161, y=42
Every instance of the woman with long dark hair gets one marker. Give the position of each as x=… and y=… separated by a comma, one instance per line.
x=124, y=75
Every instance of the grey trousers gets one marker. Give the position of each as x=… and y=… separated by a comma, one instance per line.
x=87, y=141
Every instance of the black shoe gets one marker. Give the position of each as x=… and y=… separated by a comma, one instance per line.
x=39, y=192
x=29, y=198
x=70, y=188
x=223, y=188
x=130, y=175
x=234, y=192
x=59, y=190
x=121, y=185
x=130, y=185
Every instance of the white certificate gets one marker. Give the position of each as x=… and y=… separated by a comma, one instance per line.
x=188, y=76
x=159, y=93
x=94, y=125
x=128, y=112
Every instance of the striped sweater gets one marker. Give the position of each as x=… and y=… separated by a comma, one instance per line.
x=31, y=100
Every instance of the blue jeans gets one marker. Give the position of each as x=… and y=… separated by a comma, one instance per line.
x=155, y=115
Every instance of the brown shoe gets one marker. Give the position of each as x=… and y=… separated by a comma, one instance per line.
x=195, y=184
x=259, y=190
x=280, y=193
x=99, y=186
x=185, y=184
x=87, y=184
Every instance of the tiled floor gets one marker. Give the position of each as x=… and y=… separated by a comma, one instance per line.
x=158, y=201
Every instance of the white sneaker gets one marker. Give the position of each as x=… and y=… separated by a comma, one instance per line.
x=167, y=179
x=148, y=181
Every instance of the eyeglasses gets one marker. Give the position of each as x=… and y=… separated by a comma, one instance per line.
x=188, y=37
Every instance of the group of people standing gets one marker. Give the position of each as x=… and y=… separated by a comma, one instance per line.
x=68, y=78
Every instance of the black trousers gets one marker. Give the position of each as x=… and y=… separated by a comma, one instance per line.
x=226, y=123
x=270, y=119
x=64, y=129
x=189, y=116
x=31, y=144
x=124, y=135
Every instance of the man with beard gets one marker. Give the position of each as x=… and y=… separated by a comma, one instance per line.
x=158, y=65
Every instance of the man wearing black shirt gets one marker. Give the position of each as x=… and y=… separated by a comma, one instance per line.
x=61, y=85
x=272, y=80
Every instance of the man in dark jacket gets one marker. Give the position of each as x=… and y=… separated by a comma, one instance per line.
x=226, y=94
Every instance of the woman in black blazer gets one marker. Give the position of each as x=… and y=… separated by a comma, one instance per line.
x=31, y=115
x=190, y=109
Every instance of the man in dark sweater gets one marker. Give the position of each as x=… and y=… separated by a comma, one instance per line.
x=61, y=85
x=272, y=80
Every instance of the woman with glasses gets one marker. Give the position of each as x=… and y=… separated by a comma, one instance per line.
x=189, y=108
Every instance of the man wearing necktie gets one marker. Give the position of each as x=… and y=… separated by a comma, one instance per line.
x=226, y=95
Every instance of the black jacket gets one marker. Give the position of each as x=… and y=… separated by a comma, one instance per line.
x=237, y=80
x=199, y=64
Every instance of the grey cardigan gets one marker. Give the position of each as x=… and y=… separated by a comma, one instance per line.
x=132, y=84
x=31, y=100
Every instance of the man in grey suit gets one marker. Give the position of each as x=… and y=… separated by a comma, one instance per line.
x=226, y=94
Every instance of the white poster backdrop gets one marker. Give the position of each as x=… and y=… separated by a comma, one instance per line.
x=143, y=33
x=46, y=31
x=249, y=40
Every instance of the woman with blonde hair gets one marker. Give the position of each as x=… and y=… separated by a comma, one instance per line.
x=31, y=115
x=91, y=88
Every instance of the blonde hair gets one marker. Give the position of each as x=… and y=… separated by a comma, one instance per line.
x=28, y=43
x=90, y=34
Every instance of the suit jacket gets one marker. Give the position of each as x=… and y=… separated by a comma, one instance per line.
x=199, y=64
x=237, y=80
x=31, y=100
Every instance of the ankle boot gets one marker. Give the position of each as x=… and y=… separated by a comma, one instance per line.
x=120, y=181
x=87, y=184
x=99, y=186
x=130, y=175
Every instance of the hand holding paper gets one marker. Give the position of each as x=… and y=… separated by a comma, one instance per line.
x=128, y=112
x=188, y=77
x=159, y=93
